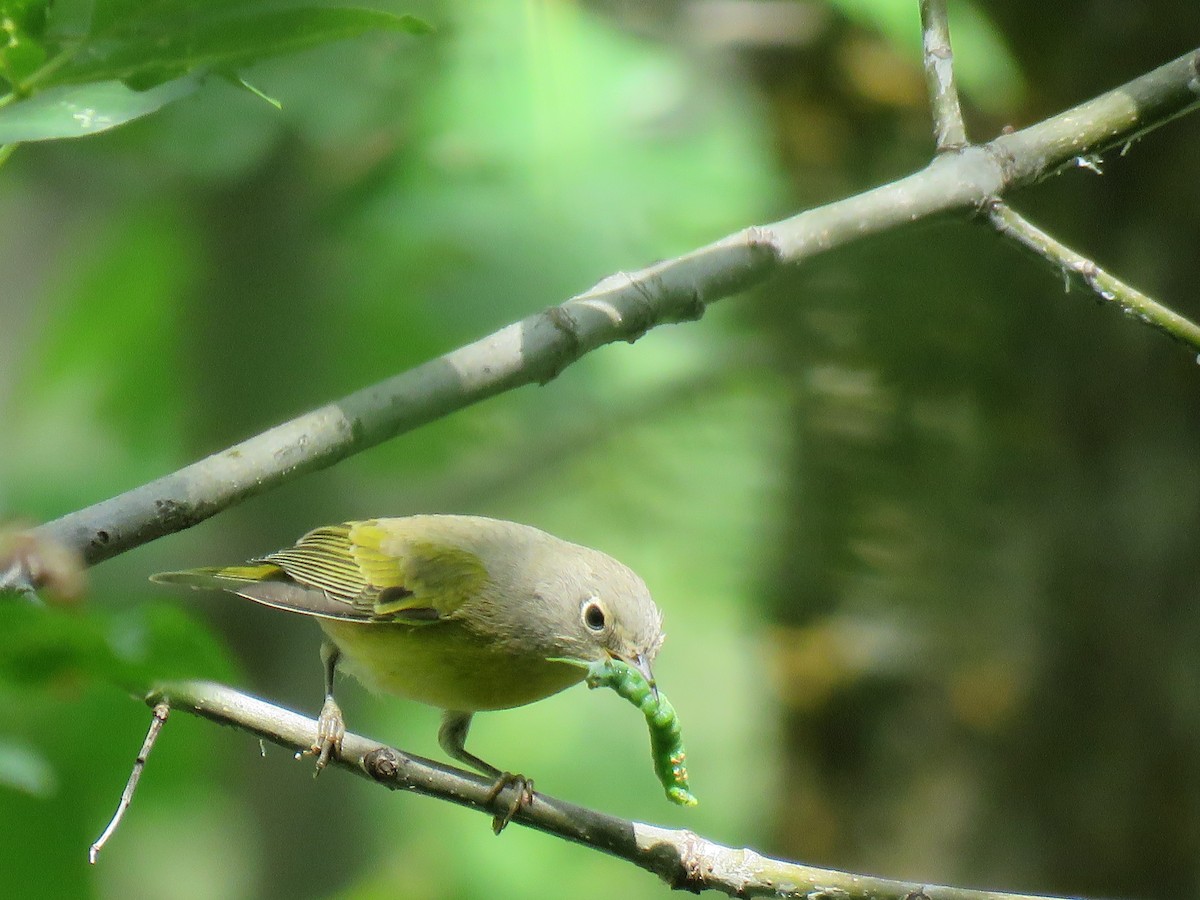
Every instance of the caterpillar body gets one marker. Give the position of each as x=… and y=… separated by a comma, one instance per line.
x=666, y=737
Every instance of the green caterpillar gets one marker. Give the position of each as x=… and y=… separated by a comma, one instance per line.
x=666, y=738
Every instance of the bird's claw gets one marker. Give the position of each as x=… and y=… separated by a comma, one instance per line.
x=522, y=797
x=331, y=731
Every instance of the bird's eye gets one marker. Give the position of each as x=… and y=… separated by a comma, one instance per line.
x=593, y=616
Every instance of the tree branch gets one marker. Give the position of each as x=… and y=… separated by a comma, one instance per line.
x=683, y=860
x=949, y=133
x=621, y=307
x=1118, y=117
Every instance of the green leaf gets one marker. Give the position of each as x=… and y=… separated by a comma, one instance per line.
x=70, y=19
x=162, y=642
x=154, y=49
x=74, y=111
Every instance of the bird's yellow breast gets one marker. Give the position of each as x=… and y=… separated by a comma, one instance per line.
x=445, y=666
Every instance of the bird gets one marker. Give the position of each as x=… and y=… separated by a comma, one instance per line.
x=464, y=613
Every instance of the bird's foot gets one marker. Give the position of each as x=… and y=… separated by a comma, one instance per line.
x=522, y=797
x=331, y=730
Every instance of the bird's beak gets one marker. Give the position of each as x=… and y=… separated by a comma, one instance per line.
x=642, y=664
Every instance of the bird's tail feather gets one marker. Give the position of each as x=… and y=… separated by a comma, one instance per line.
x=220, y=578
x=269, y=585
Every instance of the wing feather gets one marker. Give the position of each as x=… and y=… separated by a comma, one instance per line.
x=357, y=571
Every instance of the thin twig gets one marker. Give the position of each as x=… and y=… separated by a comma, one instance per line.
x=161, y=711
x=949, y=132
x=622, y=307
x=1107, y=287
x=683, y=859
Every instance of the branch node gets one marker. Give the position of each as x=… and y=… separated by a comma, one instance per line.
x=563, y=321
x=650, y=313
x=383, y=765
x=763, y=242
x=693, y=309
x=988, y=206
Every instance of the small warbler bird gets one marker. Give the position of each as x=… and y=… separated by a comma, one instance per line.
x=461, y=612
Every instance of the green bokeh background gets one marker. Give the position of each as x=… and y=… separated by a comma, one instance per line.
x=922, y=526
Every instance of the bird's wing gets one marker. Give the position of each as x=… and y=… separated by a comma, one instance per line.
x=368, y=571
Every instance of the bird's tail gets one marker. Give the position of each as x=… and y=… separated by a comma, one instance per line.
x=269, y=585
x=220, y=578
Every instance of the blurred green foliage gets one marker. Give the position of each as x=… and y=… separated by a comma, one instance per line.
x=230, y=265
x=920, y=525
x=41, y=647
x=988, y=74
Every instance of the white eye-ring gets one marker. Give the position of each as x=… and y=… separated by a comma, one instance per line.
x=593, y=614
